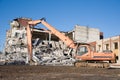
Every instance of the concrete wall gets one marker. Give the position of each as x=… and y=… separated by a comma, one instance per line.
x=85, y=34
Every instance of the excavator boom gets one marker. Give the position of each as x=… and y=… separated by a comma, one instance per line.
x=70, y=43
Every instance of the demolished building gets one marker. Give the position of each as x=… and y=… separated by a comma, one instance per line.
x=47, y=48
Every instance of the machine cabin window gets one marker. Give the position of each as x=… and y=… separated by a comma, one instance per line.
x=82, y=50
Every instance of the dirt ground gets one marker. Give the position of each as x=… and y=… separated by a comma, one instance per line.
x=26, y=72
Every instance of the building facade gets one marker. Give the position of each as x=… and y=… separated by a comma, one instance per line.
x=84, y=34
x=109, y=44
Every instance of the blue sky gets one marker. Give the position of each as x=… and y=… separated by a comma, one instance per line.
x=63, y=14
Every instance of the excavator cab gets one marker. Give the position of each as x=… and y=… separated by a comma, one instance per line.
x=83, y=52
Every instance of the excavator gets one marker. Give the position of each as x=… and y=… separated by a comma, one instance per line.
x=83, y=53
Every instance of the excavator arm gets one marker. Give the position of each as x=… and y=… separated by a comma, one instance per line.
x=70, y=43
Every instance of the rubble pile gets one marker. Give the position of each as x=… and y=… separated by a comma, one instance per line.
x=46, y=54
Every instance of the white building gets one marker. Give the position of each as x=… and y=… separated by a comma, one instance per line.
x=84, y=34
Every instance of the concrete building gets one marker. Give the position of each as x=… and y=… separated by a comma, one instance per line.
x=84, y=34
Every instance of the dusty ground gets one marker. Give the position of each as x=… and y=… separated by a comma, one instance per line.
x=26, y=72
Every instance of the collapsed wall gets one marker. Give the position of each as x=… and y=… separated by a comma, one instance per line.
x=16, y=44
x=47, y=48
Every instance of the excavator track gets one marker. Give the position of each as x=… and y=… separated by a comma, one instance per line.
x=92, y=64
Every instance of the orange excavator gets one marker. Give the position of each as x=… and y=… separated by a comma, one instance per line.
x=82, y=52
